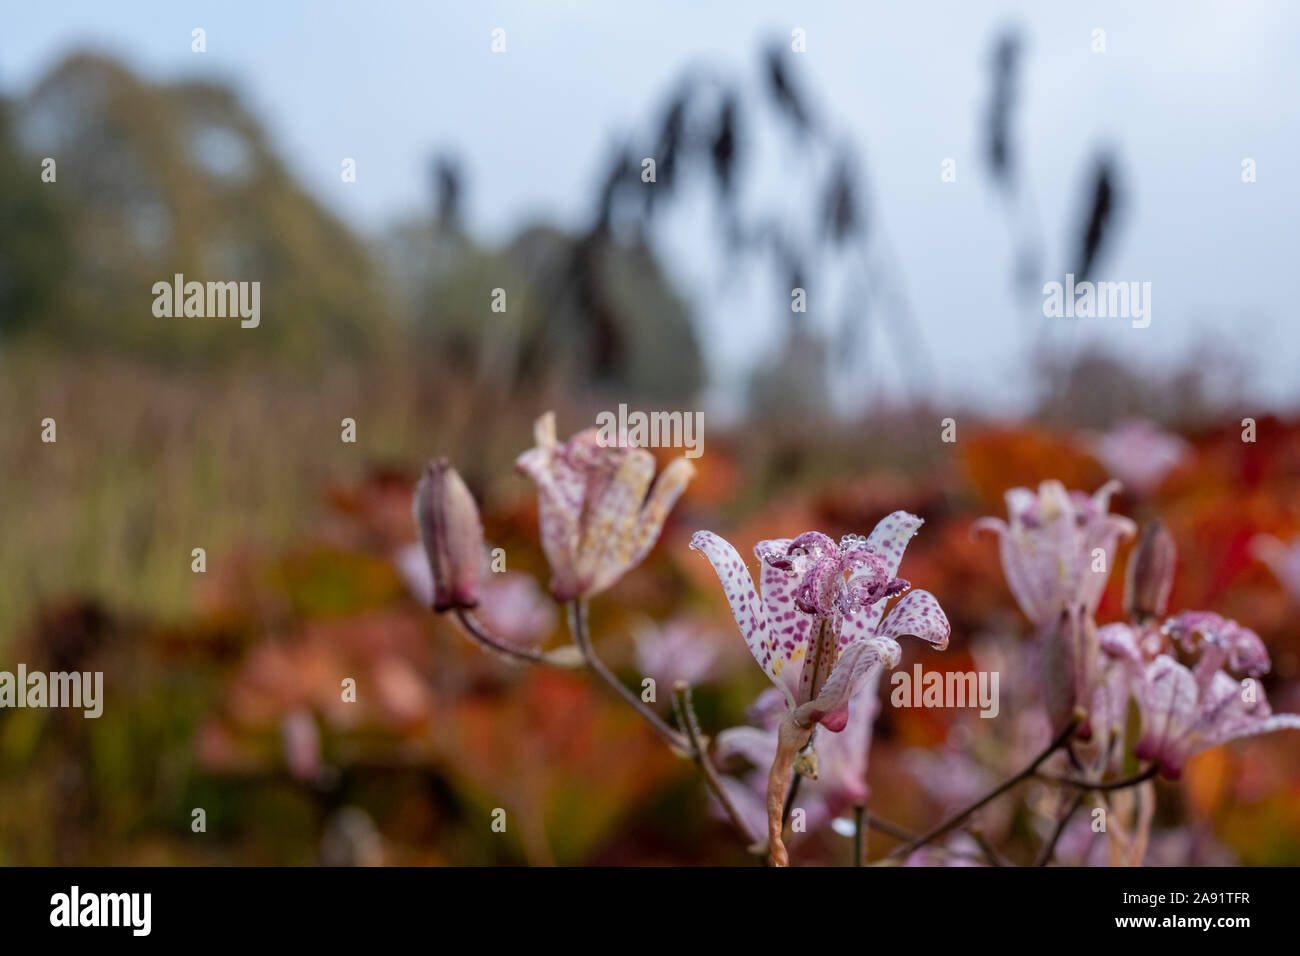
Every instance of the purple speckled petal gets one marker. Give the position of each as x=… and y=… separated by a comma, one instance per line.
x=890, y=537
x=788, y=626
x=746, y=608
x=918, y=614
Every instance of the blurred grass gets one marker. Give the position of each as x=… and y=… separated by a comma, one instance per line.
x=150, y=463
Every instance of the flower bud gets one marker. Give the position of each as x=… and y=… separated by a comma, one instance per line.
x=452, y=536
x=1150, y=573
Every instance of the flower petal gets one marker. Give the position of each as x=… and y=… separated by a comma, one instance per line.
x=856, y=663
x=672, y=481
x=789, y=627
x=890, y=537
x=560, y=491
x=610, y=522
x=1168, y=698
x=756, y=746
x=738, y=586
x=918, y=614
x=1265, y=726
x=1224, y=642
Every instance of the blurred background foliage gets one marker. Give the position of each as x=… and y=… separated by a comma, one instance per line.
x=223, y=688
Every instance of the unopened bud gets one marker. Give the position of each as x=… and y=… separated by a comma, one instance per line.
x=452, y=536
x=1150, y=573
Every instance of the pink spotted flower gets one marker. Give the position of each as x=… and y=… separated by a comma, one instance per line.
x=1049, y=548
x=818, y=626
x=597, y=520
x=1186, y=710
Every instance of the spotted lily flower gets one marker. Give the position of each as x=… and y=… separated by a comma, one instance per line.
x=1182, y=716
x=1189, y=709
x=819, y=630
x=819, y=626
x=597, y=522
x=1047, y=548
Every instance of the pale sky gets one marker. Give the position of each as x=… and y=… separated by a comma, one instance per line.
x=1184, y=92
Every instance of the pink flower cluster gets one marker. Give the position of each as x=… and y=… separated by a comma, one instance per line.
x=823, y=621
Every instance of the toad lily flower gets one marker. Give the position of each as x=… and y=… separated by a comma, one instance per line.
x=1187, y=710
x=1182, y=717
x=819, y=628
x=596, y=521
x=1048, y=547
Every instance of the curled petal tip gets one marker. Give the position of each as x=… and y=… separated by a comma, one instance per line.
x=544, y=430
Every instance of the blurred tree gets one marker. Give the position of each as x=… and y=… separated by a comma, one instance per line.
x=591, y=311
x=178, y=178
x=33, y=237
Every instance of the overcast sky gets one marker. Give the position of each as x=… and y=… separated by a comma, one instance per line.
x=1184, y=92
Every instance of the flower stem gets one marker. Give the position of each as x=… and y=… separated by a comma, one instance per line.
x=790, y=796
x=578, y=628
x=956, y=819
x=481, y=635
x=791, y=738
x=859, y=838
x=1049, y=848
x=700, y=754
x=1086, y=785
